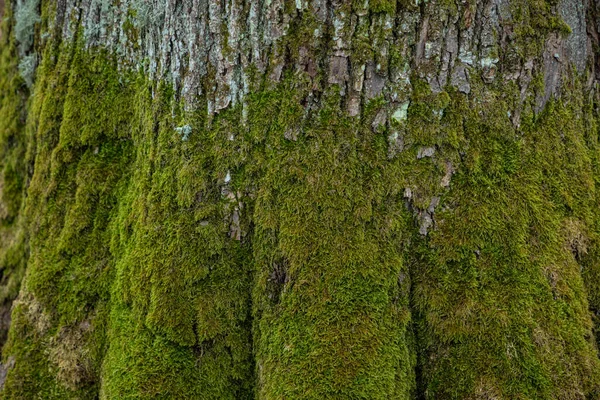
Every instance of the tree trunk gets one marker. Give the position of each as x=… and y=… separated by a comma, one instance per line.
x=308, y=199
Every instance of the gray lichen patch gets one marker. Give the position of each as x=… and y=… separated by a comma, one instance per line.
x=395, y=143
x=26, y=15
x=184, y=131
x=215, y=50
x=449, y=171
x=460, y=80
x=488, y=62
x=379, y=121
x=425, y=223
x=27, y=66
x=574, y=15
x=401, y=113
x=425, y=152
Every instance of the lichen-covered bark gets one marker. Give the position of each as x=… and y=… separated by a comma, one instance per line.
x=365, y=199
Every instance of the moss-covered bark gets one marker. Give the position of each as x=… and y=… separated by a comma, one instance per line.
x=353, y=200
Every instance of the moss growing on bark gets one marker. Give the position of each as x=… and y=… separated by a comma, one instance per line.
x=502, y=309
x=102, y=271
x=13, y=173
x=331, y=294
x=275, y=251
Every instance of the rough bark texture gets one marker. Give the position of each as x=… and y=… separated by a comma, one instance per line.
x=275, y=199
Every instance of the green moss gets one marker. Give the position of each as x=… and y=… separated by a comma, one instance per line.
x=383, y=6
x=533, y=22
x=196, y=266
x=130, y=29
x=181, y=281
x=13, y=167
x=362, y=46
x=331, y=293
x=103, y=247
x=500, y=305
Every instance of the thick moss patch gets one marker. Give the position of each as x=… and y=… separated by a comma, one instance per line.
x=274, y=251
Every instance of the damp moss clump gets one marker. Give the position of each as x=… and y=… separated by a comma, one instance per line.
x=331, y=294
x=500, y=305
x=13, y=172
x=275, y=250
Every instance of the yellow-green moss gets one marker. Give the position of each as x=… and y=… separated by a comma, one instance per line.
x=140, y=284
x=13, y=170
x=497, y=289
x=383, y=6
x=118, y=235
x=331, y=290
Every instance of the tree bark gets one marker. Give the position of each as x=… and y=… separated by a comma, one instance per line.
x=308, y=199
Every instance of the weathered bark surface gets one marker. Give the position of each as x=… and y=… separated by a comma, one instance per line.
x=278, y=199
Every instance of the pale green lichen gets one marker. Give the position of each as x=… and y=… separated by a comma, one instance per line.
x=26, y=15
x=27, y=66
x=488, y=62
x=401, y=113
x=184, y=131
